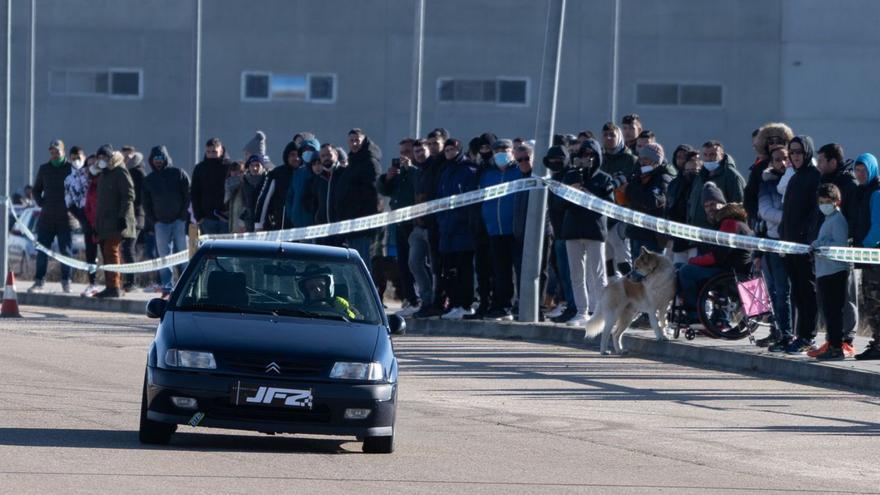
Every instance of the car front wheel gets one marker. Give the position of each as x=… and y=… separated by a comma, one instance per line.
x=379, y=445
x=153, y=432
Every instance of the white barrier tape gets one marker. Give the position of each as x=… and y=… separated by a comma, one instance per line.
x=390, y=217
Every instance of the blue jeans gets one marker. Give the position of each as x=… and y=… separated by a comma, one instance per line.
x=361, y=243
x=420, y=263
x=691, y=279
x=214, y=226
x=564, y=272
x=773, y=266
x=45, y=235
x=170, y=238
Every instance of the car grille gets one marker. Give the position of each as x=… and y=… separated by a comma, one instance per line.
x=224, y=410
x=253, y=365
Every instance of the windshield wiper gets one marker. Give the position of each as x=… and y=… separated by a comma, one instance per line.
x=309, y=314
x=222, y=308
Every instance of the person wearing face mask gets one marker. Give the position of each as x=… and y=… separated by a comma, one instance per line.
x=206, y=192
x=867, y=234
x=483, y=159
x=773, y=264
x=251, y=185
x=497, y=216
x=115, y=220
x=558, y=162
x=76, y=183
x=90, y=213
x=677, y=199
x=166, y=203
x=720, y=169
x=618, y=162
x=646, y=192
x=832, y=277
x=55, y=221
x=294, y=203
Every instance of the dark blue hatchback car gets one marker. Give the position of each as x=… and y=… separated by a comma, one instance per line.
x=273, y=337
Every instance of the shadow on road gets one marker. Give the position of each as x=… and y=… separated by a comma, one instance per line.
x=182, y=441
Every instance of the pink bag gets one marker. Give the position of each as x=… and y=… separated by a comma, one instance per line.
x=754, y=296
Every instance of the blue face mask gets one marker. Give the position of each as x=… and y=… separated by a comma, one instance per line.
x=501, y=158
x=711, y=166
x=307, y=156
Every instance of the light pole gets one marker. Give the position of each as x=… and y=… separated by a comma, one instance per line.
x=418, y=52
x=4, y=209
x=197, y=93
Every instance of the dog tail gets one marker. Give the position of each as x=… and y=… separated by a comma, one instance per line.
x=595, y=325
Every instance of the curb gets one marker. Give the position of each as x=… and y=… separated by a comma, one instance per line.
x=637, y=342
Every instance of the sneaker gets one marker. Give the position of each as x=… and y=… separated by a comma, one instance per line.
x=109, y=293
x=90, y=291
x=499, y=315
x=871, y=353
x=556, y=311
x=65, y=286
x=37, y=287
x=831, y=354
x=427, y=312
x=453, y=314
x=566, y=315
x=578, y=321
x=780, y=346
x=818, y=350
x=848, y=350
x=409, y=310
x=767, y=341
x=799, y=346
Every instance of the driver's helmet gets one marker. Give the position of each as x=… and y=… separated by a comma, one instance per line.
x=316, y=283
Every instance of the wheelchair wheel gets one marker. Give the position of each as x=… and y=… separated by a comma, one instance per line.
x=721, y=311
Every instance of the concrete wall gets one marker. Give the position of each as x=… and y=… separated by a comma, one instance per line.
x=802, y=61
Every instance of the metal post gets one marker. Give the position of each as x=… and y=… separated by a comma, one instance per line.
x=31, y=94
x=615, y=47
x=418, y=52
x=197, y=94
x=545, y=121
x=4, y=209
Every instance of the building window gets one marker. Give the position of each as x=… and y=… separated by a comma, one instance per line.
x=668, y=94
x=504, y=91
x=266, y=86
x=116, y=83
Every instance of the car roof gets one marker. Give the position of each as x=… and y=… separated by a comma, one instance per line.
x=291, y=249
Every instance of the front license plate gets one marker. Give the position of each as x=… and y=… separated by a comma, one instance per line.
x=245, y=394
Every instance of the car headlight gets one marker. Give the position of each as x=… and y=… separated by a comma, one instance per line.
x=358, y=371
x=190, y=359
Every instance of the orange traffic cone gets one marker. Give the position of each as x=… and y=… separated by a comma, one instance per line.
x=10, y=301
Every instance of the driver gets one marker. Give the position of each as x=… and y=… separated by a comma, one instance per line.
x=318, y=288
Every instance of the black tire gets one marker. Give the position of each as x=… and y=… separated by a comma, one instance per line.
x=153, y=432
x=379, y=445
x=720, y=309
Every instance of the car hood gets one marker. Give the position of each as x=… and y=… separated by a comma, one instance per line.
x=275, y=336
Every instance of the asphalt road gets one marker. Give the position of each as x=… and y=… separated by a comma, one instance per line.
x=475, y=416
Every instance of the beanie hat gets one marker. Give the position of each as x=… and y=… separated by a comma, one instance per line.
x=261, y=159
x=654, y=152
x=711, y=193
x=502, y=143
x=105, y=149
x=257, y=144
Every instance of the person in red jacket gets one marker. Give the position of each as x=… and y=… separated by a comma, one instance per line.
x=730, y=218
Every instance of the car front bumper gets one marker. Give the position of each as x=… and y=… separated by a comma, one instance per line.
x=326, y=416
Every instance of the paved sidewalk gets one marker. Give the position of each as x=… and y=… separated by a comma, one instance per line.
x=739, y=355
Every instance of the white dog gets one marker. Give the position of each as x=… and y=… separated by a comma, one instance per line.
x=650, y=290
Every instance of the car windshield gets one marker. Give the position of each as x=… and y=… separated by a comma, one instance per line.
x=326, y=289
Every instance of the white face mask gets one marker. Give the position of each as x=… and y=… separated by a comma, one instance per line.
x=711, y=166
x=77, y=164
x=94, y=170
x=827, y=209
x=646, y=169
x=501, y=159
x=102, y=163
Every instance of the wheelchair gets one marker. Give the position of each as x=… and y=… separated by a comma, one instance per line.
x=729, y=307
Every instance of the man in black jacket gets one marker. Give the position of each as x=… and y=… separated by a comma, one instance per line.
x=799, y=218
x=54, y=221
x=646, y=192
x=134, y=163
x=355, y=194
x=166, y=201
x=208, y=189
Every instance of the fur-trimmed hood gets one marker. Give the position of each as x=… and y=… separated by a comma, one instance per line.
x=735, y=211
x=770, y=129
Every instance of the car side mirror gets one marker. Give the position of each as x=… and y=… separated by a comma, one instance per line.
x=397, y=325
x=156, y=308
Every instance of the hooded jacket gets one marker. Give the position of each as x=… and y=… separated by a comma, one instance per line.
x=355, y=193
x=799, y=208
x=867, y=220
x=208, y=187
x=731, y=219
x=270, y=208
x=579, y=222
x=647, y=194
x=135, y=167
x=727, y=178
x=302, y=176
x=115, y=201
x=319, y=192
x=49, y=195
x=251, y=185
x=458, y=176
x=556, y=206
x=165, y=192
x=498, y=213
x=677, y=196
x=845, y=180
